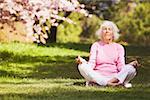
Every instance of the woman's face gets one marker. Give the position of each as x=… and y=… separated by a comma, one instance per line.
x=107, y=33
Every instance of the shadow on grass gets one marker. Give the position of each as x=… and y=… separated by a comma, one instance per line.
x=11, y=57
x=137, y=51
x=77, y=94
x=76, y=46
x=64, y=66
x=130, y=50
x=61, y=70
x=45, y=66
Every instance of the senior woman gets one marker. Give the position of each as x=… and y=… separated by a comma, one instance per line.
x=106, y=65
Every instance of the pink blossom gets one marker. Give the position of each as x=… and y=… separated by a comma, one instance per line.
x=31, y=11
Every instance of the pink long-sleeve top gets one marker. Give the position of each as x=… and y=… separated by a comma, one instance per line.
x=107, y=59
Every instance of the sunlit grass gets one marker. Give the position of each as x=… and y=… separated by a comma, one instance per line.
x=31, y=72
x=34, y=50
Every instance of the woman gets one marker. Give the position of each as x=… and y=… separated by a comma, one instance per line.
x=106, y=65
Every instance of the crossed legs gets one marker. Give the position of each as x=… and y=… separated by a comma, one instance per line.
x=125, y=75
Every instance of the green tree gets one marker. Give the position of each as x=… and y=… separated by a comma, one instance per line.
x=70, y=32
x=90, y=26
x=133, y=22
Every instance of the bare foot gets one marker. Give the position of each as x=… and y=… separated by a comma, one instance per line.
x=113, y=82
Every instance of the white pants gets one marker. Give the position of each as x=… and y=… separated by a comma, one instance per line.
x=127, y=73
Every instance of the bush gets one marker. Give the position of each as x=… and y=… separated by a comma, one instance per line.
x=90, y=26
x=83, y=31
x=70, y=32
x=134, y=23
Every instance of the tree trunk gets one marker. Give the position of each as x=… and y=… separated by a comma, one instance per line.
x=53, y=30
x=52, y=35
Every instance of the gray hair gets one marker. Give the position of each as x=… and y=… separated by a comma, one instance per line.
x=114, y=29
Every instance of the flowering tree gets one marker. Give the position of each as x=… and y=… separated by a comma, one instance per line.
x=39, y=16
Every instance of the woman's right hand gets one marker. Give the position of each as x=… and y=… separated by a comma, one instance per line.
x=78, y=60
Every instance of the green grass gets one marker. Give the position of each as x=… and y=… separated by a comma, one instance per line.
x=31, y=72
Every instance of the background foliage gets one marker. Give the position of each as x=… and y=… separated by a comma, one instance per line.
x=132, y=18
x=133, y=21
x=70, y=32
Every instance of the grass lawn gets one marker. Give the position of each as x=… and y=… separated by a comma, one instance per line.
x=30, y=72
